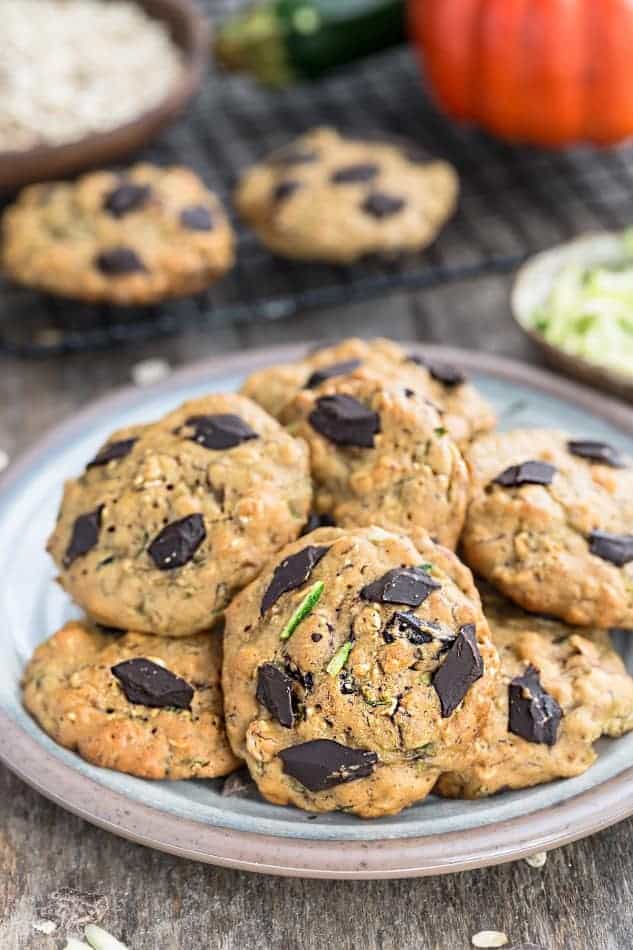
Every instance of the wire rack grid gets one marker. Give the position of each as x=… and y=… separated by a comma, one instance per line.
x=513, y=202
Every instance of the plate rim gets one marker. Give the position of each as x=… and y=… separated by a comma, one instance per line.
x=495, y=843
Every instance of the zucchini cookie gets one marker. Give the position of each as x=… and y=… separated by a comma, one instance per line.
x=149, y=706
x=135, y=237
x=560, y=689
x=465, y=413
x=551, y=524
x=380, y=455
x=355, y=667
x=326, y=197
x=170, y=520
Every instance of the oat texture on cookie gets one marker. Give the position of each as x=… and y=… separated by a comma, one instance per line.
x=357, y=666
x=560, y=689
x=169, y=520
x=150, y=706
x=380, y=455
x=550, y=523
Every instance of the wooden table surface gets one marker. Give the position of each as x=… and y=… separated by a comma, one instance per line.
x=56, y=867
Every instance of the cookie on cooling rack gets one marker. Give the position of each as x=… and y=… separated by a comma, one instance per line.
x=133, y=237
x=327, y=197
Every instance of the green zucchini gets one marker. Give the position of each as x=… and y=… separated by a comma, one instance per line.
x=284, y=41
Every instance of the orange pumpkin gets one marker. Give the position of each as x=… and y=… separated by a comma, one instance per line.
x=547, y=72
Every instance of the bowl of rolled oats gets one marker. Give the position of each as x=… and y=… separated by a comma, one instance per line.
x=83, y=82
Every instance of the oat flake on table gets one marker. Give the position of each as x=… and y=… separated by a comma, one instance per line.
x=150, y=371
x=537, y=860
x=490, y=938
x=88, y=67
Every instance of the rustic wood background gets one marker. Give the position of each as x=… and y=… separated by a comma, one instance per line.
x=56, y=867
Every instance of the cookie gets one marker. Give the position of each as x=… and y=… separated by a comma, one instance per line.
x=326, y=197
x=551, y=526
x=135, y=237
x=355, y=667
x=560, y=689
x=168, y=521
x=149, y=706
x=465, y=413
x=380, y=455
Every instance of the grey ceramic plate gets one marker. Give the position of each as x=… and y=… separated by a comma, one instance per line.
x=192, y=818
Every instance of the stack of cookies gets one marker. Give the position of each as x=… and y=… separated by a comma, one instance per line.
x=270, y=579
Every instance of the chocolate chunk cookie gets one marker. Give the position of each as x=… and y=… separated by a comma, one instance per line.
x=337, y=199
x=168, y=521
x=465, y=413
x=136, y=237
x=559, y=690
x=552, y=527
x=356, y=666
x=145, y=705
x=381, y=456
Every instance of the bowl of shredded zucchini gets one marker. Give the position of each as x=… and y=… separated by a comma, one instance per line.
x=575, y=301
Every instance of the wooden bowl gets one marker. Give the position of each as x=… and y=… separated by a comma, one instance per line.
x=531, y=287
x=190, y=32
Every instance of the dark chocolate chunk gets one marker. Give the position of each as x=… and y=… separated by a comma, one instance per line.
x=292, y=573
x=527, y=473
x=127, y=197
x=318, y=521
x=347, y=683
x=177, y=543
x=402, y=585
x=84, y=536
x=617, y=548
x=285, y=189
x=442, y=372
x=462, y=667
x=533, y=713
x=295, y=673
x=323, y=763
x=294, y=156
x=328, y=372
x=274, y=691
x=119, y=261
x=197, y=218
x=379, y=205
x=147, y=684
x=221, y=431
x=363, y=171
x=402, y=623
x=345, y=421
x=597, y=452
x=112, y=451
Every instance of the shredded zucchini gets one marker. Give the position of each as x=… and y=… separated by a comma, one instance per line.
x=589, y=312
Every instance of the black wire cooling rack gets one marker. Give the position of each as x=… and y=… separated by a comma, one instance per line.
x=513, y=202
